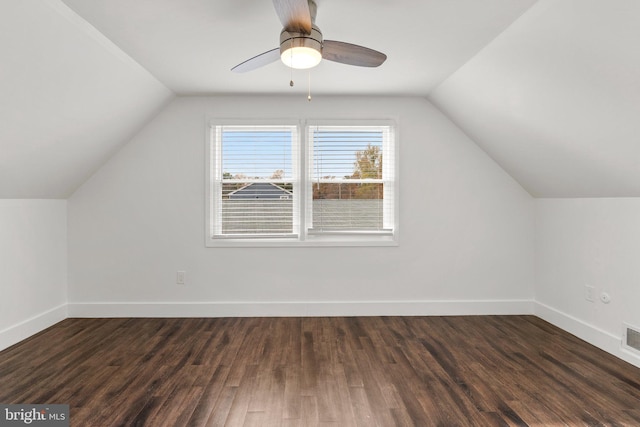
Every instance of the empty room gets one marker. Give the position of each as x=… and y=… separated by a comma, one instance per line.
x=320, y=212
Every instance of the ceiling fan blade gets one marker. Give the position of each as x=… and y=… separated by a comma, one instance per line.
x=294, y=15
x=351, y=54
x=258, y=61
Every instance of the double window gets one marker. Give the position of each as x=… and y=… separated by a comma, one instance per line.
x=307, y=183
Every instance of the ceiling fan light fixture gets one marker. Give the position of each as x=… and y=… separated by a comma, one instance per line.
x=301, y=57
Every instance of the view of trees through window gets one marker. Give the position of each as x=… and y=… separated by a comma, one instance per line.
x=346, y=179
x=248, y=154
x=367, y=165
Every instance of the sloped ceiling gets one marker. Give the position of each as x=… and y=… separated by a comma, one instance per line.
x=549, y=89
x=555, y=99
x=68, y=99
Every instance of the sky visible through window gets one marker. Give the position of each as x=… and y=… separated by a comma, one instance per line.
x=262, y=153
x=257, y=154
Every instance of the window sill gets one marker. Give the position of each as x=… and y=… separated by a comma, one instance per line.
x=310, y=241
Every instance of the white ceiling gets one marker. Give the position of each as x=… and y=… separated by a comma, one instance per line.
x=549, y=89
x=191, y=45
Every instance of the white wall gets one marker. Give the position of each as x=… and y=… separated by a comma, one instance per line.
x=466, y=240
x=592, y=242
x=33, y=267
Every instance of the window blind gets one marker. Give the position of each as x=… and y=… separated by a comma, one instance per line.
x=351, y=173
x=255, y=181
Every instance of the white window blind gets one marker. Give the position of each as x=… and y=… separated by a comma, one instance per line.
x=350, y=179
x=254, y=191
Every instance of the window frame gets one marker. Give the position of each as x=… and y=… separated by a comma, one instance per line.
x=217, y=180
x=387, y=179
x=302, y=156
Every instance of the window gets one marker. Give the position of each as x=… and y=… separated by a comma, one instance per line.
x=254, y=187
x=301, y=184
x=351, y=179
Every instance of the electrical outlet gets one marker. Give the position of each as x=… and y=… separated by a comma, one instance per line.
x=590, y=293
x=180, y=278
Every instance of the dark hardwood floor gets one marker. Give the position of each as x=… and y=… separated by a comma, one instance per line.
x=341, y=371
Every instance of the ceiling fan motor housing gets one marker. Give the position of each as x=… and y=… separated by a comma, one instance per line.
x=289, y=39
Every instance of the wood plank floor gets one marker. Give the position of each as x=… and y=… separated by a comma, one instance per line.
x=340, y=371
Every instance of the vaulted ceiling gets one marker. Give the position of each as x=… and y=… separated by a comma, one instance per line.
x=555, y=99
x=68, y=99
x=550, y=88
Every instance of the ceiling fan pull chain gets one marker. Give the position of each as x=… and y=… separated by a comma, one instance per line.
x=291, y=69
x=309, y=95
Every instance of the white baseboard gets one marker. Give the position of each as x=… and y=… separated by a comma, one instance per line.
x=16, y=333
x=593, y=335
x=589, y=333
x=294, y=308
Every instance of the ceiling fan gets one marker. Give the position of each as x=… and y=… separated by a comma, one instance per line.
x=301, y=43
